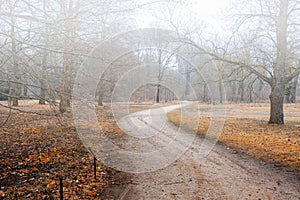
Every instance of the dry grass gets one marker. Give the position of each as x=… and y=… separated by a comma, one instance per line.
x=247, y=130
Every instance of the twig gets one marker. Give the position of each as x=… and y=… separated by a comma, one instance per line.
x=30, y=112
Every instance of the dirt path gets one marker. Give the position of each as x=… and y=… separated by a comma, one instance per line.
x=223, y=174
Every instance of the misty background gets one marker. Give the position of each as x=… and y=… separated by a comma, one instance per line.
x=254, y=45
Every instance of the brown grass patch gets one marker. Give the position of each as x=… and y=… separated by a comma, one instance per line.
x=272, y=143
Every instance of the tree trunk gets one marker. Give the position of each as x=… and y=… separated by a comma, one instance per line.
x=42, y=99
x=221, y=90
x=100, y=98
x=15, y=94
x=63, y=104
x=65, y=95
x=205, y=98
x=25, y=91
x=15, y=84
x=276, y=101
x=42, y=93
x=250, y=97
x=294, y=90
x=241, y=90
x=69, y=26
x=157, y=94
x=278, y=83
x=15, y=101
x=187, y=82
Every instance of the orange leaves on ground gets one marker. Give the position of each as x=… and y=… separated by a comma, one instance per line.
x=106, y=121
x=34, y=169
x=51, y=184
x=24, y=171
x=31, y=130
x=110, y=126
x=42, y=157
x=273, y=143
x=36, y=150
x=176, y=118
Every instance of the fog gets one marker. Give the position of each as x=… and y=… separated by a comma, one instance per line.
x=254, y=46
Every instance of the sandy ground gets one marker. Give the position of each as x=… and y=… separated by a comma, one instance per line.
x=224, y=174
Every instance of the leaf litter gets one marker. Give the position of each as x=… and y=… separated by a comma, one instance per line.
x=36, y=150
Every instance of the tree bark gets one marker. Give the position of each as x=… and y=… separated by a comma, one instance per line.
x=100, y=98
x=42, y=99
x=187, y=82
x=220, y=84
x=205, y=99
x=42, y=93
x=278, y=84
x=63, y=105
x=15, y=84
x=241, y=90
x=65, y=97
x=294, y=90
x=276, y=100
x=157, y=93
x=65, y=92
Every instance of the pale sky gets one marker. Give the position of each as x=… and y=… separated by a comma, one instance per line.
x=207, y=11
x=208, y=7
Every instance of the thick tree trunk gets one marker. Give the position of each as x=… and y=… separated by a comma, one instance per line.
x=69, y=26
x=278, y=83
x=276, y=101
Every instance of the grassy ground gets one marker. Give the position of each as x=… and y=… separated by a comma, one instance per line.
x=246, y=129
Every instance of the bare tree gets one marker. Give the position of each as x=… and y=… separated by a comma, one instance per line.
x=15, y=88
x=270, y=47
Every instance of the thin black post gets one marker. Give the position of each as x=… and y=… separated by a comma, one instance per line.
x=95, y=164
x=95, y=168
x=61, y=190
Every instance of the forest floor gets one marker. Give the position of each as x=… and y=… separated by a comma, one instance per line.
x=38, y=146
x=246, y=129
x=35, y=150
